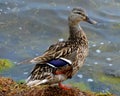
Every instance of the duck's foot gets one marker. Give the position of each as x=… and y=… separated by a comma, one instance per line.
x=64, y=87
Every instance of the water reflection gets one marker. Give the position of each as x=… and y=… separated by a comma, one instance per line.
x=28, y=27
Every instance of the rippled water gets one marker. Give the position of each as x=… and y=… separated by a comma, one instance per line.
x=28, y=27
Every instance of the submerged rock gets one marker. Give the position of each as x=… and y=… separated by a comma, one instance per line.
x=8, y=87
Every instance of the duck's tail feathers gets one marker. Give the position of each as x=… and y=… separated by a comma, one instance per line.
x=33, y=83
x=40, y=75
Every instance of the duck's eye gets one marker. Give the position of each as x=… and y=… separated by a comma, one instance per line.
x=78, y=12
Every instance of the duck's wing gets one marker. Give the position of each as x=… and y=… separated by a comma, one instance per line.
x=55, y=51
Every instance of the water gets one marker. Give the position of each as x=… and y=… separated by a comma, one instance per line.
x=28, y=27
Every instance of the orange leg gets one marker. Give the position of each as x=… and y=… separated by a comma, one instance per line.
x=64, y=87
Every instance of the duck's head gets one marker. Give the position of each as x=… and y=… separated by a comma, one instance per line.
x=77, y=15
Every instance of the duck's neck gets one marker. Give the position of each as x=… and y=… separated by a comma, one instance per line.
x=77, y=34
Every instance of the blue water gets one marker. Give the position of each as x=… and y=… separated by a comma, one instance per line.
x=28, y=27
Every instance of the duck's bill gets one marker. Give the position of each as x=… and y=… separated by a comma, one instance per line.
x=91, y=21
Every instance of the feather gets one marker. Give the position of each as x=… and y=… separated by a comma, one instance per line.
x=60, y=62
x=36, y=82
x=41, y=72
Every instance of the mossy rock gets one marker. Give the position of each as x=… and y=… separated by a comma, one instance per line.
x=5, y=64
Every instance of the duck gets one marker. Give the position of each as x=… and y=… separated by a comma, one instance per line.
x=61, y=61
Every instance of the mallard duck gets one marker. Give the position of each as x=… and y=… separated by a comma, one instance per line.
x=63, y=59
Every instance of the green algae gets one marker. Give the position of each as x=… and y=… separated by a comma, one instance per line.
x=109, y=79
x=5, y=64
x=101, y=77
x=114, y=81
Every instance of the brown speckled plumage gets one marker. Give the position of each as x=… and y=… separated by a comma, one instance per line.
x=74, y=49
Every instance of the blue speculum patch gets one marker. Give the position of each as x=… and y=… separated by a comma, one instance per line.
x=58, y=62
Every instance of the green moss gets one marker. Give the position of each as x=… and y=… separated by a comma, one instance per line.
x=104, y=94
x=21, y=81
x=5, y=64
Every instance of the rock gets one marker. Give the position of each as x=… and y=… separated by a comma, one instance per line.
x=8, y=87
x=112, y=72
